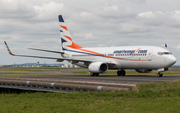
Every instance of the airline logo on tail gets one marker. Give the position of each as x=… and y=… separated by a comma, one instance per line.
x=66, y=39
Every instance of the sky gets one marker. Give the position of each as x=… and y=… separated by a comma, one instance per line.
x=34, y=24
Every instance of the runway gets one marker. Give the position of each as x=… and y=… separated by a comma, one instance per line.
x=66, y=80
x=109, y=78
x=68, y=74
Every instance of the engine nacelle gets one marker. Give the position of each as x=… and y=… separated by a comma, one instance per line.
x=98, y=67
x=143, y=70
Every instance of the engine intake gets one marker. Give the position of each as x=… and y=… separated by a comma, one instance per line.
x=98, y=67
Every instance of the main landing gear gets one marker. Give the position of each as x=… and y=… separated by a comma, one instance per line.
x=121, y=73
x=94, y=74
x=160, y=74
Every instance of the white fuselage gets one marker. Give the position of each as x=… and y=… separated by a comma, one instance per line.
x=126, y=57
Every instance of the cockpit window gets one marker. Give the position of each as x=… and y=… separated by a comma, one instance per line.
x=164, y=53
x=167, y=53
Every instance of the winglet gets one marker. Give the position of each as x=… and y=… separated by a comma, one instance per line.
x=8, y=49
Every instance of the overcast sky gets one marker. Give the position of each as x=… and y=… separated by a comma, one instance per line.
x=32, y=23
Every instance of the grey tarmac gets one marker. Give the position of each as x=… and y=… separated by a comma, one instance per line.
x=67, y=74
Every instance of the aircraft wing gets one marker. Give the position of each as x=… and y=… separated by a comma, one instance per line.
x=58, y=59
x=46, y=50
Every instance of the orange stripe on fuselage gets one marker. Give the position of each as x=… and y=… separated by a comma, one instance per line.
x=91, y=52
x=77, y=47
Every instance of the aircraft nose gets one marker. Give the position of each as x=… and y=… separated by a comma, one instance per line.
x=172, y=60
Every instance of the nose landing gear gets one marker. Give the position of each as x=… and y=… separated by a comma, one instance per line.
x=160, y=74
x=161, y=70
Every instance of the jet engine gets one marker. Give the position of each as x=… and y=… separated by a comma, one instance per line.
x=143, y=70
x=98, y=67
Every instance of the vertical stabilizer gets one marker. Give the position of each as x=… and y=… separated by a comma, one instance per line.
x=66, y=39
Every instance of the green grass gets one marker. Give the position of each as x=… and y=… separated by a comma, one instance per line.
x=13, y=73
x=174, y=68
x=149, y=98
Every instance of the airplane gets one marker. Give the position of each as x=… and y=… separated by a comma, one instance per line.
x=143, y=59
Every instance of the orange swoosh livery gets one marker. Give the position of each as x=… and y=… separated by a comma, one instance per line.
x=77, y=47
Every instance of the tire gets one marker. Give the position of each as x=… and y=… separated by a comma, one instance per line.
x=123, y=73
x=160, y=75
x=92, y=74
x=119, y=73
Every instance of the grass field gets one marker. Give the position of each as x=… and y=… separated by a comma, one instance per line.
x=148, y=98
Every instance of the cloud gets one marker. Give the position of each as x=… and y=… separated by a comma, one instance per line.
x=89, y=36
x=136, y=1
x=178, y=47
x=17, y=9
x=149, y=14
x=47, y=11
x=85, y=14
x=176, y=15
x=27, y=11
x=2, y=47
x=160, y=18
x=113, y=11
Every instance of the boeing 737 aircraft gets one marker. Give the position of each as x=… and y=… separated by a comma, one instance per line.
x=143, y=59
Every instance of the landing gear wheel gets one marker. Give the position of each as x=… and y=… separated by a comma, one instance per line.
x=94, y=74
x=160, y=74
x=121, y=73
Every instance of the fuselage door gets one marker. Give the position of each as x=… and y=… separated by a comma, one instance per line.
x=149, y=55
